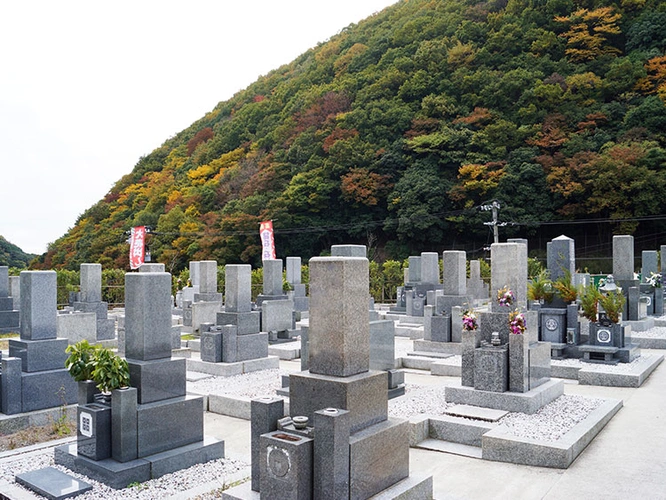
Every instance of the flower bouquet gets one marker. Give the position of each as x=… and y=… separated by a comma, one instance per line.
x=505, y=296
x=469, y=321
x=517, y=322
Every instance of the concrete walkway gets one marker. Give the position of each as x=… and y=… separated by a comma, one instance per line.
x=627, y=460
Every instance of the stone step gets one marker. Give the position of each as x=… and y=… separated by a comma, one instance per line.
x=427, y=354
x=449, y=447
x=459, y=429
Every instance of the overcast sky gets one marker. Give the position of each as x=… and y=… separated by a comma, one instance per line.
x=88, y=87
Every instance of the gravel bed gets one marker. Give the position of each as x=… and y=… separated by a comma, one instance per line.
x=656, y=332
x=552, y=421
x=250, y=385
x=213, y=474
x=549, y=424
x=635, y=365
x=419, y=400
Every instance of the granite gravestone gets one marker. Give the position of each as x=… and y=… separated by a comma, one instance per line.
x=156, y=428
x=33, y=376
x=90, y=300
x=354, y=450
x=9, y=316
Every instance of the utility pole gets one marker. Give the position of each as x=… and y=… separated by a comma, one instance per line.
x=494, y=207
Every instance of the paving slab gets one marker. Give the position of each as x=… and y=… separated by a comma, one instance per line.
x=52, y=483
x=476, y=413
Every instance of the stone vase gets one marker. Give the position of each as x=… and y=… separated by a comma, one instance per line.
x=470, y=341
x=124, y=420
x=87, y=391
x=519, y=369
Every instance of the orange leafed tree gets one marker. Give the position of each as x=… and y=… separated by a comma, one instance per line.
x=588, y=33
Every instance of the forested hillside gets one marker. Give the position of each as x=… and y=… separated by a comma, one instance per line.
x=395, y=130
x=13, y=256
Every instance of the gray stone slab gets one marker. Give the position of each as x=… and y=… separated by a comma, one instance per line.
x=94, y=431
x=648, y=264
x=430, y=267
x=293, y=266
x=414, y=269
x=251, y=346
x=364, y=395
x=153, y=267
x=38, y=305
x=277, y=315
x=525, y=402
x=111, y=472
x=272, y=276
x=211, y=347
x=39, y=355
x=455, y=272
x=246, y=322
x=348, y=251
x=10, y=386
x=382, y=345
x=147, y=316
x=168, y=424
x=47, y=389
x=207, y=276
x=508, y=268
x=539, y=363
x=459, y=429
x=186, y=456
x=339, y=328
x=379, y=458
x=476, y=413
x=91, y=282
x=491, y=369
x=238, y=288
x=53, y=483
x=157, y=380
x=623, y=257
x=4, y=281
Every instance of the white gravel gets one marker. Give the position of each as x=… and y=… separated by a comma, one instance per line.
x=419, y=400
x=202, y=477
x=250, y=385
x=552, y=421
x=656, y=332
x=548, y=424
x=636, y=365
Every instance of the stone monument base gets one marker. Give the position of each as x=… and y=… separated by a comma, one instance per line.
x=523, y=402
x=230, y=369
x=118, y=475
x=439, y=347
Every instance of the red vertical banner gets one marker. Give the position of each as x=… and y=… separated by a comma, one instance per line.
x=267, y=240
x=137, y=246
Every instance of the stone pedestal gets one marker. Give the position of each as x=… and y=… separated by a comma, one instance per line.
x=491, y=369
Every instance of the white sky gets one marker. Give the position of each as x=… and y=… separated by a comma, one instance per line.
x=88, y=87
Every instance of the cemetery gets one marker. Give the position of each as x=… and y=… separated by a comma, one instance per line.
x=334, y=400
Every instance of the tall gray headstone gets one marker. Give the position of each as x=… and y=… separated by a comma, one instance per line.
x=294, y=270
x=238, y=287
x=561, y=255
x=414, y=269
x=4, y=281
x=430, y=268
x=39, y=305
x=648, y=264
x=272, y=277
x=662, y=256
x=194, y=273
x=91, y=282
x=207, y=276
x=623, y=257
x=349, y=251
x=455, y=272
x=148, y=316
x=508, y=268
x=339, y=327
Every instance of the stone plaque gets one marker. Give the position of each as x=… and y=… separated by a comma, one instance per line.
x=278, y=461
